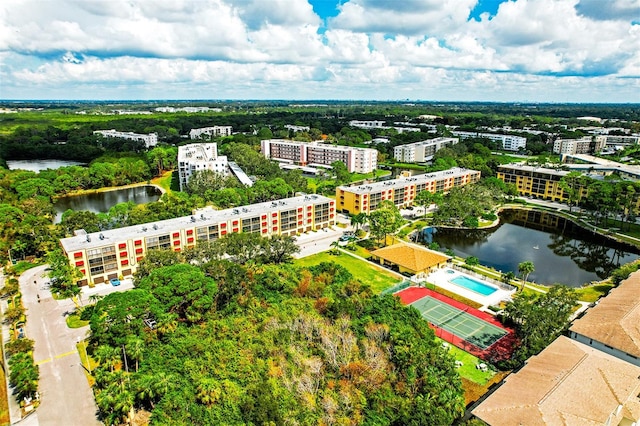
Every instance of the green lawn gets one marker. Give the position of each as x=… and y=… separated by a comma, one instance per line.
x=468, y=369
x=378, y=278
x=74, y=321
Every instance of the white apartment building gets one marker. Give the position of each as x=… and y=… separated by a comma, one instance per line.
x=214, y=131
x=369, y=124
x=508, y=142
x=149, y=140
x=612, y=141
x=295, y=128
x=423, y=151
x=573, y=146
x=357, y=160
x=196, y=157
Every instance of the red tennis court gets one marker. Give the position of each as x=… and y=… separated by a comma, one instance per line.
x=466, y=320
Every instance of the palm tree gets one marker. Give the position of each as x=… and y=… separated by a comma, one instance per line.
x=507, y=277
x=335, y=246
x=525, y=268
x=107, y=356
x=135, y=348
x=358, y=220
x=95, y=298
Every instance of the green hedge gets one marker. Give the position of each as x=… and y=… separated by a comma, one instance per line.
x=454, y=296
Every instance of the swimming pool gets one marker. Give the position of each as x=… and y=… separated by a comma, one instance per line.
x=473, y=285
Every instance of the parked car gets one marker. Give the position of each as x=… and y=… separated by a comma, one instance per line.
x=114, y=282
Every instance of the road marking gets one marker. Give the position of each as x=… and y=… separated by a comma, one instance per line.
x=44, y=361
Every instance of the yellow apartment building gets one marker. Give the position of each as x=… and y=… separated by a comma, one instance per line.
x=402, y=191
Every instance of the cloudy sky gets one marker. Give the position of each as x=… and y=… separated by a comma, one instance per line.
x=459, y=50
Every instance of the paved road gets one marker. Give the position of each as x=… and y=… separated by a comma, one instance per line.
x=66, y=398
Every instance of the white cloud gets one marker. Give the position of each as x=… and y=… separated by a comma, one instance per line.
x=278, y=48
x=408, y=17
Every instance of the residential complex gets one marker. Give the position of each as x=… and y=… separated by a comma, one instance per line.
x=402, y=191
x=149, y=140
x=614, y=141
x=368, y=124
x=101, y=256
x=358, y=160
x=423, y=151
x=591, y=377
x=583, y=145
x=197, y=157
x=210, y=132
x=508, y=142
x=612, y=325
x=534, y=181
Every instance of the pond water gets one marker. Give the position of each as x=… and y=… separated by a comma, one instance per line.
x=560, y=251
x=101, y=202
x=39, y=165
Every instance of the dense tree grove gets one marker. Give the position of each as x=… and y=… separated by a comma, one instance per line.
x=285, y=345
x=538, y=319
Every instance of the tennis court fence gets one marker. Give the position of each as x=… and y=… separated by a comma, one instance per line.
x=396, y=288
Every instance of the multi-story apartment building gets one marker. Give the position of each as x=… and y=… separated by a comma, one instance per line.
x=423, y=151
x=358, y=160
x=574, y=146
x=368, y=124
x=612, y=141
x=149, y=140
x=508, y=142
x=196, y=157
x=402, y=191
x=210, y=132
x=101, y=256
x=533, y=181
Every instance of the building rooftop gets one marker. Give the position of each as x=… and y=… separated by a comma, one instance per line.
x=567, y=384
x=428, y=142
x=401, y=182
x=615, y=320
x=198, y=152
x=414, y=258
x=203, y=217
x=520, y=166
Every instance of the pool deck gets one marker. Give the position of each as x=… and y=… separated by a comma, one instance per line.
x=442, y=278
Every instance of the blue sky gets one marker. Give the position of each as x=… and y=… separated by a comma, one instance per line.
x=449, y=50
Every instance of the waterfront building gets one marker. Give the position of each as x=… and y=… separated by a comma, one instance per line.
x=317, y=153
x=532, y=181
x=210, y=132
x=101, y=256
x=402, y=191
x=422, y=151
x=197, y=157
x=149, y=140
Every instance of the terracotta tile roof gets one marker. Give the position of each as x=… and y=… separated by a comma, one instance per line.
x=412, y=257
x=567, y=384
x=615, y=321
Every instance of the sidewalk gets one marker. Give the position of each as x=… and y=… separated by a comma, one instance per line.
x=15, y=412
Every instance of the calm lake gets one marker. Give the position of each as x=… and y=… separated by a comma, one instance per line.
x=101, y=202
x=562, y=252
x=39, y=165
